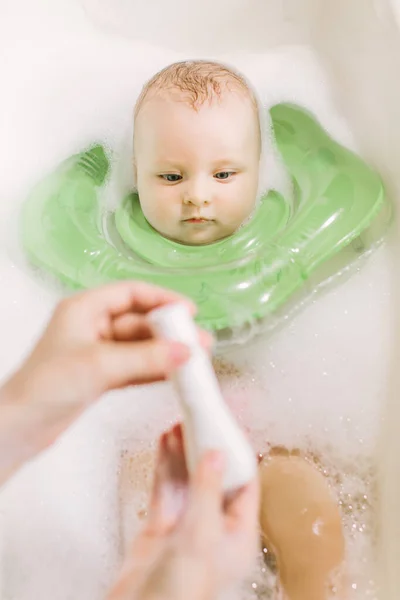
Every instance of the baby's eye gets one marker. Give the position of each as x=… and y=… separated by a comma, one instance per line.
x=171, y=177
x=223, y=174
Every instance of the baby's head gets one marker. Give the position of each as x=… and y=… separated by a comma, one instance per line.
x=197, y=145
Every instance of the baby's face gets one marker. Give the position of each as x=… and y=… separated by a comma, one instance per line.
x=197, y=171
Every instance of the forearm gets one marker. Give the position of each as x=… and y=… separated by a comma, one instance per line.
x=26, y=429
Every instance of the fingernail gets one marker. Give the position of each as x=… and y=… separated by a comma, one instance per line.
x=179, y=353
x=216, y=461
x=177, y=431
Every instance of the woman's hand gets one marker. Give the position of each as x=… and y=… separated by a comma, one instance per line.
x=195, y=543
x=96, y=341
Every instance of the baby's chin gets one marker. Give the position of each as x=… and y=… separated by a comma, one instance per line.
x=199, y=236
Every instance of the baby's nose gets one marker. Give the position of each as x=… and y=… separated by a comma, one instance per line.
x=196, y=201
x=196, y=194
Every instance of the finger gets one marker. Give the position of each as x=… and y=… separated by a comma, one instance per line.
x=242, y=509
x=130, y=326
x=177, y=431
x=154, y=521
x=118, y=364
x=170, y=484
x=178, y=472
x=125, y=296
x=203, y=517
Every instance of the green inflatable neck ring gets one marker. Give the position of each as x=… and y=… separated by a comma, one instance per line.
x=340, y=208
x=270, y=217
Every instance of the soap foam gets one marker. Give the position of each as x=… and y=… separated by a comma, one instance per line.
x=315, y=385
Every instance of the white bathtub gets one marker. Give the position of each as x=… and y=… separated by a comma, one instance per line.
x=322, y=380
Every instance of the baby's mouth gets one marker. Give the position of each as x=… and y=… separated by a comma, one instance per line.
x=198, y=220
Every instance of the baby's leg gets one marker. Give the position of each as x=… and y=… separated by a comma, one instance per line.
x=301, y=525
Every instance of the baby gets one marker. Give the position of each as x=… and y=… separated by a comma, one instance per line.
x=197, y=151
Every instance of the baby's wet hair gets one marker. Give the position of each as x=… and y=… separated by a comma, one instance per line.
x=198, y=81
x=195, y=82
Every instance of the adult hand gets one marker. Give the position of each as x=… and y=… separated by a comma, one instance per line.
x=96, y=341
x=195, y=543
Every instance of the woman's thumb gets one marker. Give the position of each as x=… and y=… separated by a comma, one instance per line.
x=204, y=514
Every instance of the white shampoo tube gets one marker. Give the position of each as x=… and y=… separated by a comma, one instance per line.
x=208, y=423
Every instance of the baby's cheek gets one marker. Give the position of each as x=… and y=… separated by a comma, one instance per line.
x=157, y=211
x=238, y=207
x=166, y=207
